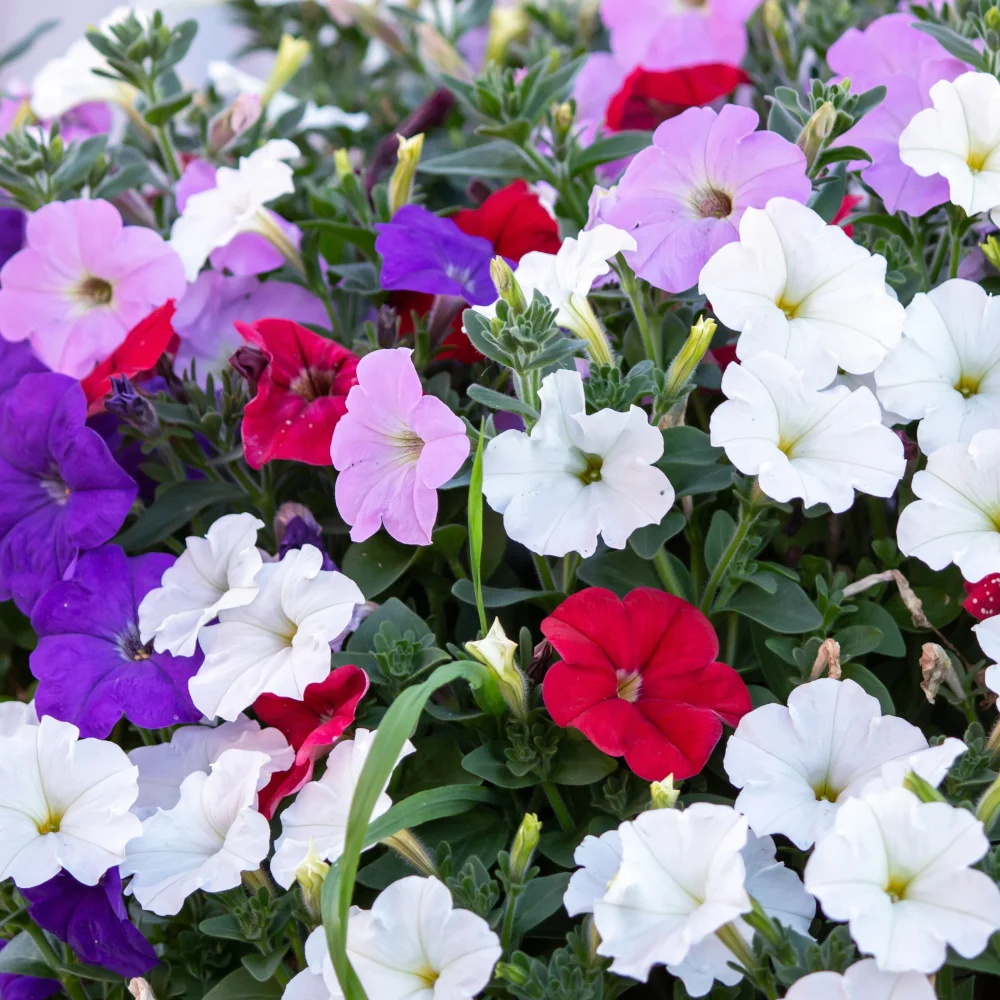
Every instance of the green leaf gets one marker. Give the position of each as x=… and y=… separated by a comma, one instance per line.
x=263, y=967
x=22, y=45
x=78, y=162
x=161, y=112
x=425, y=807
x=959, y=47
x=691, y=463
x=614, y=147
x=549, y=87
x=489, y=763
x=21, y=957
x=782, y=121
x=538, y=900
x=500, y=401
x=517, y=131
x=618, y=571
x=500, y=597
x=789, y=611
x=856, y=640
x=174, y=507
x=476, y=529
x=497, y=158
x=363, y=239
x=720, y=534
x=646, y=542
x=240, y=985
x=579, y=762
x=842, y=154
x=394, y=611
x=866, y=679
x=890, y=223
x=226, y=926
x=377, y=563
x=870, y=613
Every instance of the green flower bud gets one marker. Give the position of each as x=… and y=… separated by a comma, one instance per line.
x=664, y=794
x=292, y=53
x=817, y=130
x=401, y=181
x=311, y=874
x=525, y=842
x=505, y=282
x=689, y=356
x=497, y=652
x=991, y=251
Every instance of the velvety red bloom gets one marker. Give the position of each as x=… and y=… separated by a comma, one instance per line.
x=301, y=394
x=648, y=97
x=639, y=679
x=141, y=349
x=311, y=726
x=984, y=597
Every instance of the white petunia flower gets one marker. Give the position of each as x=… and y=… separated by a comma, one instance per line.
x=64, y=803
x=411, y=945
x=576, y=475
x=681, y=880
x=820, y=445
x=957, y=516
x=164, y=766
x=205, y=841
x=15, y=715
x=959, y=138
x=988, y=634
x=317, y=819
x=797, y=765
x=946, y=370
x=862, y=981
x=599, y=859
x=898, y=870
x=235, y=205
x=804, y=290
x=279, y=643
x=213, y=573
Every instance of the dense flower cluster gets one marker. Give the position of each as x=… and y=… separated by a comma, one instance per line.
x=505, y=505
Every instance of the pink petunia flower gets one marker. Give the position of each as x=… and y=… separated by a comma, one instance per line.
x=393, y=448
x=82, y=282
x=683, y=197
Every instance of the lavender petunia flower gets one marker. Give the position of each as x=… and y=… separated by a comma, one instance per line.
x=25, y=987
x=421, y=252
x=92, y=667
x=61, y=491
x=93, y=921
x=908, y=62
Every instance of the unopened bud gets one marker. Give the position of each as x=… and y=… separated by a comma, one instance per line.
x=525, y=842
x=507, y=24
x=922, y=788
x=401, y=181
x=505, y=282
x=232, y=122
x=250, y=362
x=689, y=356
x=131, y=406
x=311, y=874
x=991, y=19
x=412, y=851
x=816, y=131
x=386, y=327
x=437, y=54
x=989, y=805
x=663, y=793
x=774, y=20
x=292, y=53
x=579, y=317
x=991, y=251
x=496, y=652
x=342, y=164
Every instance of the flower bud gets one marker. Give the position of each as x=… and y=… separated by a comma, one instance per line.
x=816, y=131
x=386, y=327
x=506, y=285
x=232, y=122
x=689, y=356
x=497, y=652
x=291, y=55
x=250, y=362
x=436, y=53
x=401, y=181
x=507, y=24
x=311, y=874
x=989, y=805
x=582, y=321
x=922, y=788
x=525, y=842
x=562, y=120
x=342, y=164
x=991, y=20
x=132, y=407
x=412, y=851
x=991, y=251
x=663, y=793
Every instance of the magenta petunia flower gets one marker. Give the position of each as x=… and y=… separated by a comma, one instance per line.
x=683, y=197
x=393, y=448
x=908, y=62
x=82, y=282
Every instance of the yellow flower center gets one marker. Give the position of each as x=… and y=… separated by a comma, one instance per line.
x=95, y=292
x=968, y=385
x=896, y=887
x=629, y=685
x=591, y=473
x=428, y=976
x=790, y=309
x=49, y=823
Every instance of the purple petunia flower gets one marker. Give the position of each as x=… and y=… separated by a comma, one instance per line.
x=93, y=921
x=421, y=252
x=61, y=491
x=25, y=987
x=91, y=665
x=16, y=360
x=12, y=223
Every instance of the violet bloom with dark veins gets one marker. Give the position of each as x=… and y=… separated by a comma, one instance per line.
x=91, y=665
x=61, y=491
x=421, y=252
x=93, y=921
x=25, y=987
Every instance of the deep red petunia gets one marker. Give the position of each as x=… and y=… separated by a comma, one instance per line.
x=301, y=394
x=311, y=726
x=649, y=97
x=141, y=349
x=639, y=679
x=984, y=597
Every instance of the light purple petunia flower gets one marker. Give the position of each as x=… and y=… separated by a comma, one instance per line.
x=393, y=449
x=61, y=491
x=421, y=252
x=908, y=62
x=82, y=282
x=91, y=665
x=683, y=197
x=248, y=253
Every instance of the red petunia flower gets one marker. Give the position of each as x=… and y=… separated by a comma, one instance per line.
x=311, y=726
x=649, y=97
x=984, y=597
x=141, y=349
x=847, y=205
x=301, y=394
x=639, y=679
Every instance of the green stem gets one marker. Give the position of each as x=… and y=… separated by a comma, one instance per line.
x=295, y=939
x=630, y=286
x=956, y=253
x=937, y=262
x=70, y=983
x=746, y=522
x=167, y=152
x=544, y=571
x=507, y=933
x=571, y=563
x=559, y=807
x=663, y=566
x=732, y=636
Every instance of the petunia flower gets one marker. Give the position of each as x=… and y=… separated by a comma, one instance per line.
x=164, y=766
x=959, y=138
x=804, y=290
x=279, y=643
x=394, y=449
x=62, y=491
x=797, y=765
x=93, y=921
x=317, y=819
x=12, y=227
x=956, y=518
x=893, y=53
x=639, y=679
x=576, y=475
x=598, y=860
x=862, y=981
x=683, y=197
x=983, y=600
x=411, y=945
x=214, y=217
x=15, y=715
x=17, y=359
x=82, y=282
x=64, y=804
x=900, y=871
x=988, y=634
x=206, y=841
x=311, y=725
x=91, y=664
x=213, y=573
x=818, y=445
x=17, y=987
x=945, y=372
x=301, y=395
